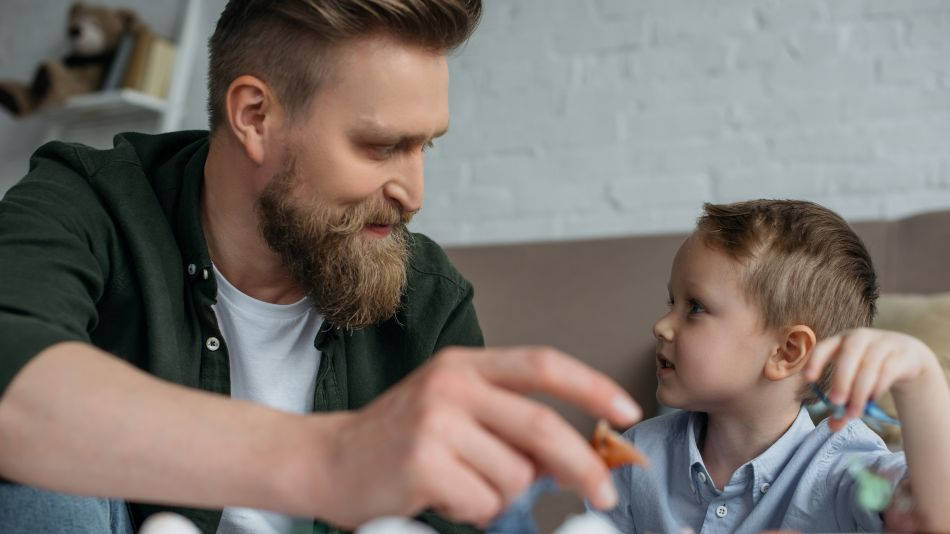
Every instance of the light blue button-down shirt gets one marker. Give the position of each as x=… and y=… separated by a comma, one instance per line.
x=800, y=483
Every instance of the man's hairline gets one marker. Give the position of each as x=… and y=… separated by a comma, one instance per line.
x=328, y=58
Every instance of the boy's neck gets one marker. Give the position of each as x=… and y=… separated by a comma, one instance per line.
x=732, y=439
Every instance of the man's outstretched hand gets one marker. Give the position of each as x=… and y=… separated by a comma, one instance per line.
x=458, y=435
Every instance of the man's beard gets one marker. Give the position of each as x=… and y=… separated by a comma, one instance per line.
x=353, y=279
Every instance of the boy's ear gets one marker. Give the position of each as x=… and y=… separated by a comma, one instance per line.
x=792, y=354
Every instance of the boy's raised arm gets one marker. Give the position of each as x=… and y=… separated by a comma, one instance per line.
x=870, y=362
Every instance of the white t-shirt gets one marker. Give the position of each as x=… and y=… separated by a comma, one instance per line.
x=273, y=361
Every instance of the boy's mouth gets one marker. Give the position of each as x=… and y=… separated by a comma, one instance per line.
x=663, y=363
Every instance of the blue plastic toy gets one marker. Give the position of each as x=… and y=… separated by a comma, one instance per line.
x=873, y=414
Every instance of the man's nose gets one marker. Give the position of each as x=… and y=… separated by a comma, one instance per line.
x=407, y=186
x=663, y=328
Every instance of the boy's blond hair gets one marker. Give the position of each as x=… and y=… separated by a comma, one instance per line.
x=802, y=264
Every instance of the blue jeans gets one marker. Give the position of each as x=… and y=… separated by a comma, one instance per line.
x=29, y=510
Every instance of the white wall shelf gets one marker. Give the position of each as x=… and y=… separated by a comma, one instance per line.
x=120, y=102
x=93, y=118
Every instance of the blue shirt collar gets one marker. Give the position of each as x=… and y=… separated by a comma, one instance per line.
x=762, y=469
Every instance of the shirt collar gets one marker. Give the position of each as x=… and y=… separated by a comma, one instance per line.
x=191, y=237
x=770, y=463
x=764, y=468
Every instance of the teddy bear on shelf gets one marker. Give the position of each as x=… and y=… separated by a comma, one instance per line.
x=94, y=35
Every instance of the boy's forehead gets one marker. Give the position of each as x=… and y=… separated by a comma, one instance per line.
x=698, y=264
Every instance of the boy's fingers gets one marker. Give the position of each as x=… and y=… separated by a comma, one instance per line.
x=866, y=378
x=546, y=370
x=848, y=360
x=837, y=424
x=820, y=355
x=890, y=369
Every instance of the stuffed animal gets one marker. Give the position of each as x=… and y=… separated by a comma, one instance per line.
x=94, y=35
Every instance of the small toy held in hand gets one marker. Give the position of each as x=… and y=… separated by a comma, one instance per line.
x=615, y=450
x=609, y=445
x=874, y=491
x=873, y=414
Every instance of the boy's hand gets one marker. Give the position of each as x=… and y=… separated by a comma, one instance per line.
x=868, y=363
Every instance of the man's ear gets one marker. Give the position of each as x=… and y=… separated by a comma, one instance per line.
x=792, y=353
x=252, y=114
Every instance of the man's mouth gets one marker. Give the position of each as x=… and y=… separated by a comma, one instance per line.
x=378, y=230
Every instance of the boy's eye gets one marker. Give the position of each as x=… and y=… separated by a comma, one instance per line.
x=428, y=146
x=695, y=307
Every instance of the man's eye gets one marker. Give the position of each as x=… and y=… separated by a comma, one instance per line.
x=695, y=307
x=383, y=151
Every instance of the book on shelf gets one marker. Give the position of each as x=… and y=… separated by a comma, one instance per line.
x=150, y=64
x=120, y=61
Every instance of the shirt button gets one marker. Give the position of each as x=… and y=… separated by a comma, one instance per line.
x=192, y=269
x=212, y=343
x=721, y=511
x=764, y=487
x=701, y=477
x=204, y=273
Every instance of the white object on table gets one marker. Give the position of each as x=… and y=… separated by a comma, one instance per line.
x=168, y=523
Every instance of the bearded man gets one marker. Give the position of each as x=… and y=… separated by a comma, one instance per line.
x=174, y=310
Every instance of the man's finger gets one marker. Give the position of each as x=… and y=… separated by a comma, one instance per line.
x=507, y=470
x=554, y=445
x=546, y=370
x=459, y=492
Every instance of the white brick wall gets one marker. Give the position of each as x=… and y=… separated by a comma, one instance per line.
x=587, y=118
x=575, y=119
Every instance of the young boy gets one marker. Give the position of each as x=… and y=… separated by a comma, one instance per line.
x=752, y=291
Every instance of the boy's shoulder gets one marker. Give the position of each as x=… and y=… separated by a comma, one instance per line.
x=660, y=430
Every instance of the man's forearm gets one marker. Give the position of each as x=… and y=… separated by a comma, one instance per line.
x=78, y=420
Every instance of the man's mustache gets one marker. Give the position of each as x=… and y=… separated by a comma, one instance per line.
x=355, y=218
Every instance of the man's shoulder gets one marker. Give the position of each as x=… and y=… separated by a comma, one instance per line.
x=427, y=261
x=129, y=149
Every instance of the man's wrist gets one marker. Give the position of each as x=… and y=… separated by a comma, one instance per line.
x=299, y=468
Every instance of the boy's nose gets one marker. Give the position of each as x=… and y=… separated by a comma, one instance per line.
x=663, y=329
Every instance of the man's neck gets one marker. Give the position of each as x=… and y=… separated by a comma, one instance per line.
x=733, y=438
x=230, y=223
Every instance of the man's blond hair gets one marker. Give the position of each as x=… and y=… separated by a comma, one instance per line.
x=284, y=42
x=802, y=264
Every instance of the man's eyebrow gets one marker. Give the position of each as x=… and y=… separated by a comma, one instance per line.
x=375, y=129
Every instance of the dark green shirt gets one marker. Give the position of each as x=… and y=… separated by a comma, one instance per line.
x=106, y=247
